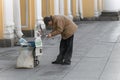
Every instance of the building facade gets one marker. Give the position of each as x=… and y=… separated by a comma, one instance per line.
x=22, y=16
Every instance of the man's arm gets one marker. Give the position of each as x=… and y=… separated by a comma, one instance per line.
x=58, y=28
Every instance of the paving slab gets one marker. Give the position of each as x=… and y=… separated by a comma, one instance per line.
x=96, y=56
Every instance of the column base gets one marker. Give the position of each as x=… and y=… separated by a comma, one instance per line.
x=76, y=19
x=96, y=14
x=70, y=17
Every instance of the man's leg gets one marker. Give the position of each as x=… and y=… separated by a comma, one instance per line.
x=69, y=50
x=62, y=50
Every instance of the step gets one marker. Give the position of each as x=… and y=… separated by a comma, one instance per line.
x=109, y=18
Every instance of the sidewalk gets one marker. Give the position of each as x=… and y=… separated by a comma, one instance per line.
x=96, y=56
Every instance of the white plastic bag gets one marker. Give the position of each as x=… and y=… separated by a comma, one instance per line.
x=38, y=45
x=23, y=42
x=38, y=42
x=25, y=59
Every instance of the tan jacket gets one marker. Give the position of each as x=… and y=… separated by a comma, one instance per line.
x=63, y=25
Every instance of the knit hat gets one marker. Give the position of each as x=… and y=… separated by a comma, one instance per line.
x=46, y=20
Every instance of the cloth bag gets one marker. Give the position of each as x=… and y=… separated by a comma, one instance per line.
x=25, y=59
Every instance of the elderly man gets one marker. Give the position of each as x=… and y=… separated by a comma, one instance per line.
x=66, y=27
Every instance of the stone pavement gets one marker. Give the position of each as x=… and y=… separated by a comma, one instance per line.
x=96, y=56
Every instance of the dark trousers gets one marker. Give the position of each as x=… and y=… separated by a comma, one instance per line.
x=66, y=49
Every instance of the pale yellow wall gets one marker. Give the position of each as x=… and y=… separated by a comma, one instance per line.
x=32, y=17
x=74, y=8
x=23, y=12
x=44, y=7
x=66, y=7
x=47, y=7
x=51, y=7
x=88, y=8
x=31, y=14
x=1, y=19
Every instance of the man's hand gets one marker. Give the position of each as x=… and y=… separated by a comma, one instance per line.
x=49, y=35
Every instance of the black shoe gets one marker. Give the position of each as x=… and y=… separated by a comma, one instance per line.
x=66, y=63
x=57, y=62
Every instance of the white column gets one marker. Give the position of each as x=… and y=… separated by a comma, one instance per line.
x=17, y=18
x=69, y=9
x=111, y=5
x=96, y=12
x=8, y=19
x=56, y=7
x=61, y=7
x=39, y=18
x=80, y=9
x=77, y=5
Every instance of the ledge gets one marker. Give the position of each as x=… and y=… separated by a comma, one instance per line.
x=28, y=33
x=6, y=42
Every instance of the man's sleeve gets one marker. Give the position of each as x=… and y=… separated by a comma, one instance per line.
x=58, y=28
